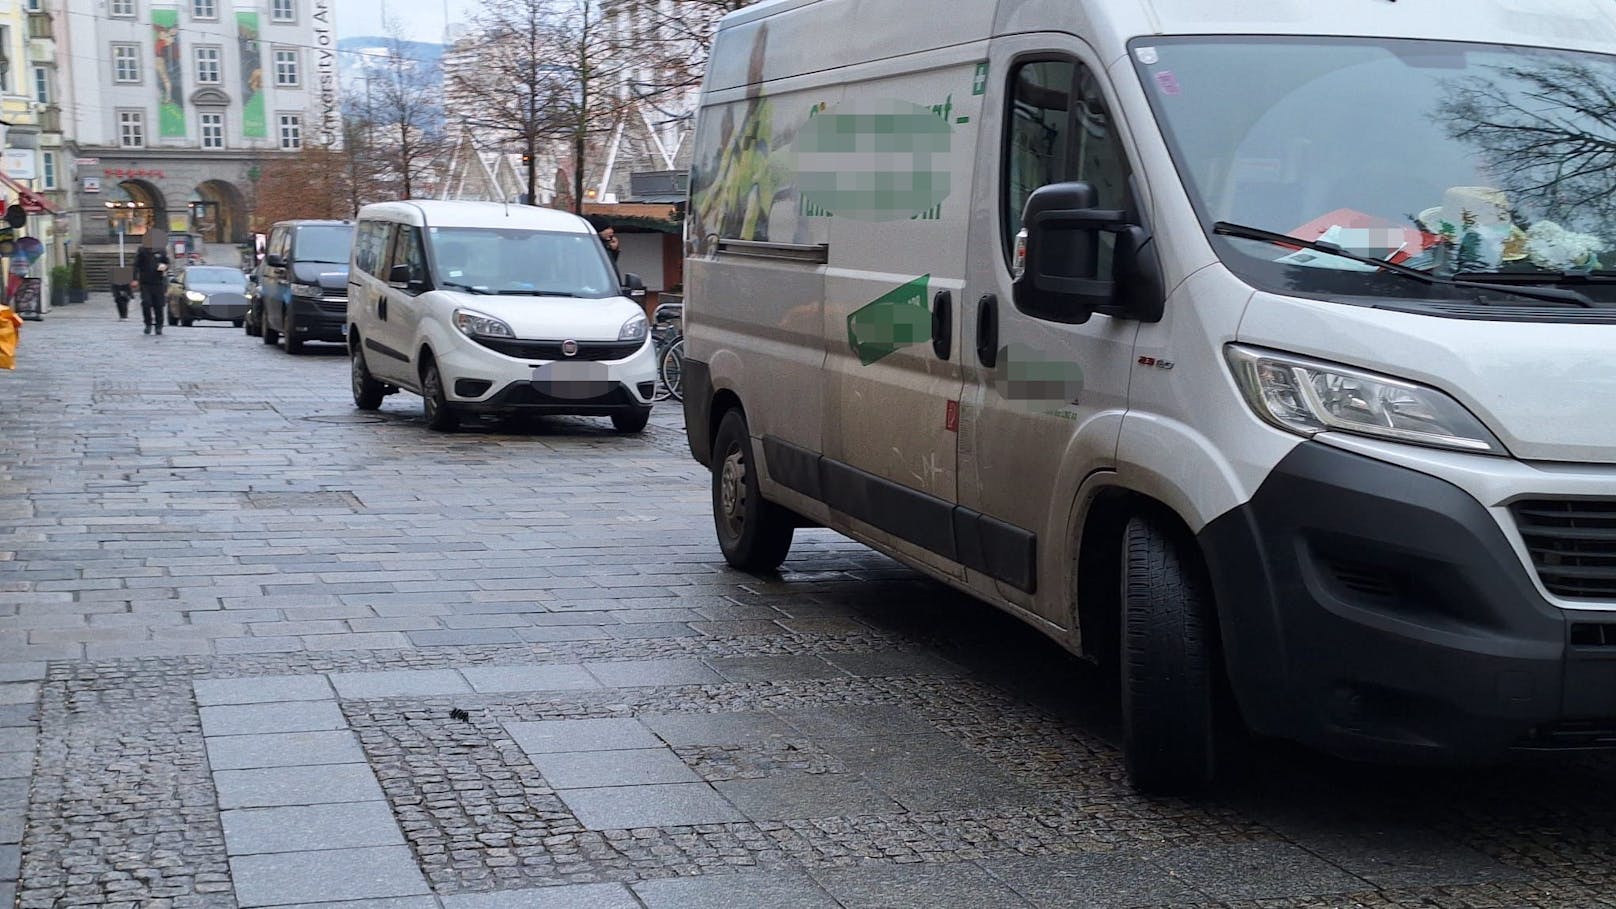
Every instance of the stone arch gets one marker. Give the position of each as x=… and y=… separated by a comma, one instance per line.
x=219, y=212
x=139, y=206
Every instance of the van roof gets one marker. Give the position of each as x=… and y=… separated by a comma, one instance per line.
x=1110, y=24
x=445, y=213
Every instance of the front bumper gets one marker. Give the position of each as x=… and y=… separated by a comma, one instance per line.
x=225, y=310
x=319, y=320
x=1377, y=611
x=478, y=379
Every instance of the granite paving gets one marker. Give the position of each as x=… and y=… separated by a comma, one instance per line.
x=258, y=649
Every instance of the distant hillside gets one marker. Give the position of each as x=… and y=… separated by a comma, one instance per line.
x=361, y=53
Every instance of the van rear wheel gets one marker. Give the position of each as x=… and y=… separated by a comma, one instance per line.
x=1168, y=663
x=367, y=392
x=440, y=415
x=753, y=533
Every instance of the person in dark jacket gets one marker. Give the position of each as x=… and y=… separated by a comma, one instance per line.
x=151, y=270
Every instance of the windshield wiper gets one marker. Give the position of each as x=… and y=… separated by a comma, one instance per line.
x=465, y=287
x=1550, y=294
x=1556, y=278
x=514, y=292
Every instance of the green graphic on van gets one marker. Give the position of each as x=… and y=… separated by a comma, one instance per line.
x=877, y=161
x=897, y=319
x=1025, y=375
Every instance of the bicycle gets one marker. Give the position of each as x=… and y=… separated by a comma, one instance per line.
x=667, y=335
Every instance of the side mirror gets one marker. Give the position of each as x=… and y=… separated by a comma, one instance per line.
x=275, y=260
x=399, y=276
x=1067, y=274
x=633, y=287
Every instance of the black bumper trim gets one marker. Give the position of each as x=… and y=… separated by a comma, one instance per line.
x=698, y=392
x=523, y=396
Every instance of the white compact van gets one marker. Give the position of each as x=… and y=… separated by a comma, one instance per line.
x=1260, y=350
x=487, y=308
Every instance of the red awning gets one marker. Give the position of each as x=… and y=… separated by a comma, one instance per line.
x=31, y=202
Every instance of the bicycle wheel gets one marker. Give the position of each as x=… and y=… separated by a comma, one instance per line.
x=661, y=392
x=673, y=369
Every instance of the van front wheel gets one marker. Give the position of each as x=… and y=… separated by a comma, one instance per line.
x=1168, y=663
x=754, y=534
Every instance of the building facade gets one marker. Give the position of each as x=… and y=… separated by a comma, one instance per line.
x=176, y=104
x=32, y=150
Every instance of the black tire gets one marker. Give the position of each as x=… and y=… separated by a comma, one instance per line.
x=440, y=415
x=294, y=344
x=671, y=370
x=367, y=392
x=631, y=422
x=754, y=534
x=1169, y=661
x=185, y=323
x=238, y=322
x=172, y=320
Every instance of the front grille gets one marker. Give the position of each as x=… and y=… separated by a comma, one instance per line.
x=551, y=350
x=1593, y=634
x=335, y=305
x=1370, y=582
x=1573, y=544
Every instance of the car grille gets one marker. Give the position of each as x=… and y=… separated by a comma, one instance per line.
x=1573, y=544
x=551, y=350
x=335, y=305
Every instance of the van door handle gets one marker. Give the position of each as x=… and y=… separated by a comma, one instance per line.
x=942, y=325
x=987, y=331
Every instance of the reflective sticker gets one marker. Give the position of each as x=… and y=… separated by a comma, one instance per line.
x=1168, y=83
x=1147, y=56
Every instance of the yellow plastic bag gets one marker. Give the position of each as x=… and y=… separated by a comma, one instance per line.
x=10, y=322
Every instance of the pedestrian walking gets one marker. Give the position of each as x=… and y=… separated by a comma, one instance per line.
x=151, y=269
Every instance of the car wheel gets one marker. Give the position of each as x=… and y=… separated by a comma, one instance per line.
x=185, y=323
x=753, y=533
x=633, y=421
x=238, y=322
x=294, y=344
x=1168, y=663
x=440, y=415
x=367, y=392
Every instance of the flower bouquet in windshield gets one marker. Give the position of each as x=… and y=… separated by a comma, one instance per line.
x=1476, y=230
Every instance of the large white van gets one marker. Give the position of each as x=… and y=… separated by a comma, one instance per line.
x=1265, y=360
x=487, y=308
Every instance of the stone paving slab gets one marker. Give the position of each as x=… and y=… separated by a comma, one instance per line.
x=277, y=786
x=554, y=736
x=725, y=891
x=340, y=874
x=303, y=828
x=576, y=896
x=661, y=805
x=284, y=716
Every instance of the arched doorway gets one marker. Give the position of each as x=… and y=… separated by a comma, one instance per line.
x=219, y=212
x=136, y=207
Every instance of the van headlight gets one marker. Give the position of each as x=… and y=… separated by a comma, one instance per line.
x=1308, y=397
x=306, y=290
x=634, y=329
x=475, y=324
x=196, y=296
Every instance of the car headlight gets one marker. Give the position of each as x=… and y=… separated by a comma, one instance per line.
x=473, y=324
x=1309, y=397
x=306, y=290
x=634, y=329
x=196, y=297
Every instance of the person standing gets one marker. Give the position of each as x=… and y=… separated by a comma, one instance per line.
x=151, y=268
x=608, y=236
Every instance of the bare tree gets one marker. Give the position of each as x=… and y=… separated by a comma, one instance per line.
x=400, y=102
x=676, y=38
x=507, y=94
x=586, y=97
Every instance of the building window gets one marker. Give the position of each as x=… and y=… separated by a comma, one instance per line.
x=291, y=131
x=212, y=130
x=42, y=85
x=131, y=129
x=5, y=61
x=286, y=67
x=204, y=9
x=122, y=9
x=207, y=66
x=283, y=10
x=49, y=170
x=126, y=63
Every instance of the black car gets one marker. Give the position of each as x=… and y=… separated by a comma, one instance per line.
x=303, y=288
x=212, y=292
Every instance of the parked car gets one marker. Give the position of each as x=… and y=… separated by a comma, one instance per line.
x=303, y=291
x=1165, y=354
x=207, y=292
x=481, y=307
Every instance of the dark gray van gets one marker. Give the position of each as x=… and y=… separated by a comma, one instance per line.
x=303, y=292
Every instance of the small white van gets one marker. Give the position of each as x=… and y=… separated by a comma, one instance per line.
x=1260, y=350
x=486, y=308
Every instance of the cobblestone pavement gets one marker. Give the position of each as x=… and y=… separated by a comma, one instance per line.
x=258, y=649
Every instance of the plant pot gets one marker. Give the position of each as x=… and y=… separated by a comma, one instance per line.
x=58, y=296
x=77, y=296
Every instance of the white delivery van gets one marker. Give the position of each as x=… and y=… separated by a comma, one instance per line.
x=1259, y=349
x=487, y=308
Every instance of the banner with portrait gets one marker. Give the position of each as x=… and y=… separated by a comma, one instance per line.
x=253, y=122
x=170, y=73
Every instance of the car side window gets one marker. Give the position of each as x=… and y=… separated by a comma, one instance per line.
x=370, y=247
x=1060, y=129
x=407, y=251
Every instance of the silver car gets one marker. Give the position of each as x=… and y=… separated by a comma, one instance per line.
x=213, y=292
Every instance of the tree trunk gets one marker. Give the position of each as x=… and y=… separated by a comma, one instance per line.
x=578, y=172
x=532, y=170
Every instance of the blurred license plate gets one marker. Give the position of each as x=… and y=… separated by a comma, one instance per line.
x=572, y=380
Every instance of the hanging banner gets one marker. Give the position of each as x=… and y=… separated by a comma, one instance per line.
x=252, y=77
x=170, y=73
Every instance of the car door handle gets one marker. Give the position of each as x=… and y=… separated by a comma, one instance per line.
x=942, y=325
x=987, y=331
x=381, y=309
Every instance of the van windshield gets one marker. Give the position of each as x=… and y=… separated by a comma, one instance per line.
x=322, y=243
x=520, y=262
x=1485, y=163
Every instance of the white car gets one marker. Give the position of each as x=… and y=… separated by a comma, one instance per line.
x=486, y=308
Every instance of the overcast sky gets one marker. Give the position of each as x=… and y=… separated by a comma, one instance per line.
x=423, y=19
